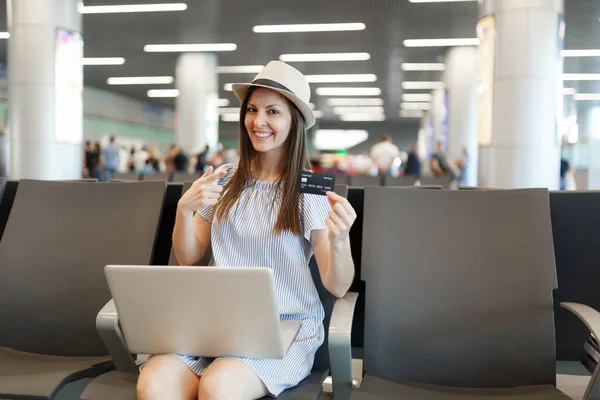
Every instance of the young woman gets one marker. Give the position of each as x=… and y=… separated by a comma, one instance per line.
x=253, y=215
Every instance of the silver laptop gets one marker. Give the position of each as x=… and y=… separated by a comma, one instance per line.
x=200, y=311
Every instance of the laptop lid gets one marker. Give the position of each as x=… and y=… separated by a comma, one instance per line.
x=200, y=311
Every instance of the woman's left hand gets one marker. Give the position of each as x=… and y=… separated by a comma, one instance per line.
x=340, y=218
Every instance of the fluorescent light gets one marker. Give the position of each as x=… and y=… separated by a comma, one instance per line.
x=422, y=85
x=416, y=97
x=362, y=117
x=341, y=78
x=189, y=48
x=241, y=69
x=581, y=77
x=569, y=91
x=423, y=66
x=354, y=26
x=4, y=35
x=313, y=57
x=412, y=113
x=230, y=117
x=580, y=53
x=348, y=91
x=141, y=80
x=228, y=87
x=587, y=96
x=354, y=102
x=222, y=102
x=104, y=61
x=359, y=110
x=318, y=113
x=132, y=8
x=229, y=110
x=441, y=42
x=415, y=106
x=339, y=139
x=163, y=93
x=437, y=1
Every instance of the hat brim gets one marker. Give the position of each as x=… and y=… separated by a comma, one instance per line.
x=240, y=90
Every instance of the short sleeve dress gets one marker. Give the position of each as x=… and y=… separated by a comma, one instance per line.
x=245, y=239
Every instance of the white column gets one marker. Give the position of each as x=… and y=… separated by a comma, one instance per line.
x=460, y=79
x=525, y=148
x=45, y=85
x=439, y=114
x=197, y=104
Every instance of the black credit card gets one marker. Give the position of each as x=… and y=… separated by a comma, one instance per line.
x=316, y=183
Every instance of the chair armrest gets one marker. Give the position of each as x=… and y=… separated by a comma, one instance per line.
x=591, y=319
x=340, y=351
x=107, y=324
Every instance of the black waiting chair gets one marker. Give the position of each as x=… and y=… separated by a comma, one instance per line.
x=125, y=176
x=575, y=227
x=184, y=177
x=365, y=180
x=333, y=356
x=158, y=176
x=57, y=241
x=459, y=300
x=406, y=180
x=444, y=181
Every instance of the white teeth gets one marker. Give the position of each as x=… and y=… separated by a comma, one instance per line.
x=262, y=134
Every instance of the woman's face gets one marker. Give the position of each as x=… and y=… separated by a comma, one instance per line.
x=268, y=121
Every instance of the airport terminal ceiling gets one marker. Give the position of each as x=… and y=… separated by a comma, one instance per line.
x=388, y=23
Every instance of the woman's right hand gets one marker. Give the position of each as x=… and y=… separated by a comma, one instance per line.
x=204, y=192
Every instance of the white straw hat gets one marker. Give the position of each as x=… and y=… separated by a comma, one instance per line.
x=285, y=80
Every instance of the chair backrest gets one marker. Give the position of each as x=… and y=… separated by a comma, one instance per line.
x=162, y=249
x=58, y=239
x=159, y=176
x=126, y=176
x=184, y=177
x=406, y=180
x=365, y=180
x=172, y=259
x=327, y=299
x=356, y=198
x=459, y=287
x=342, y=179
x=444, y=181
x=8, y=189
x=575, y=227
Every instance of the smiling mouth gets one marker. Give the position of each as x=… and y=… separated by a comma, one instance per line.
x=262, y=135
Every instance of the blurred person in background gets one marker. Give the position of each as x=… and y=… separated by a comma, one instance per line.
x=217, y=160
x=131, y=162
x=384, y=153
x=180, y=161
x=88, y=160
x=147, y=168
x=202, y=160
x=153, y=157
x=109, y=160
x=413, y=164
x=463, y=164
x=440, y=165
x=140, y=157
x=170, y=158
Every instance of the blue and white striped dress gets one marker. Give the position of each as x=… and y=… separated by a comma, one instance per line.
x=245, y=239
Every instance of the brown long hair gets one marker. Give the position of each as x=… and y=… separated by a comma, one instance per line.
x=295, y=160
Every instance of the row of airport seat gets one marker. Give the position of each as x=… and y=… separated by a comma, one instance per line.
x=76, y=224
x=403, y=181
x=158, y=176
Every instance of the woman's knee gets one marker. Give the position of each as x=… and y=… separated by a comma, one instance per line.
x=230, y=379
x=166, y=377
